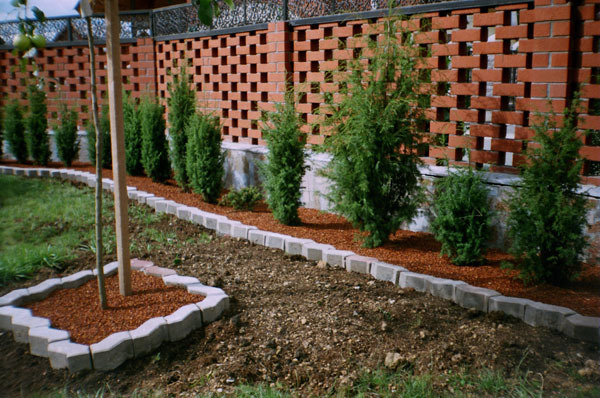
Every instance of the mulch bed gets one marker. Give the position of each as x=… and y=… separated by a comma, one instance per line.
x=78, y=310
x=416, y=251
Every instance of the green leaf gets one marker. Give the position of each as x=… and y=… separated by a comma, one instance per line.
x=205, y=11
x=39, y=14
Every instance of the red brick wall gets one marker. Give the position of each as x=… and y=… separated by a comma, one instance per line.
x=492, y=70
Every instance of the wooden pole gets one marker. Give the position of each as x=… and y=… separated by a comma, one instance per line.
x=115, y=102
x=99, y=248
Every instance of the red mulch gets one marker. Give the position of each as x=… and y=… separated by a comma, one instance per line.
x=416, y=251
x=78, y=310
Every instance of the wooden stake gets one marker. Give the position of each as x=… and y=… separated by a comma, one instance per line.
x=115, y=102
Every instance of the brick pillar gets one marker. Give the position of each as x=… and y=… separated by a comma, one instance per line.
x=144, y=67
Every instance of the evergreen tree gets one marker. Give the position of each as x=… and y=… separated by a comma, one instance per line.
x=133, y=138
x=37, y=125
x=155, y=155
x=67, y=143
x=14, y=126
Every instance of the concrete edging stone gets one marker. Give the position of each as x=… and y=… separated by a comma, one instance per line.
x=534, y=313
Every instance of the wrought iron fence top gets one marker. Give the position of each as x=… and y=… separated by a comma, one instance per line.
x=182, y=19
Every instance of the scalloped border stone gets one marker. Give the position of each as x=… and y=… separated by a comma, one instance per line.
x=534, y=313
x=116, y=348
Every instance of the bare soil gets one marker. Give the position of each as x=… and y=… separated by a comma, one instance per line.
x=308, y=327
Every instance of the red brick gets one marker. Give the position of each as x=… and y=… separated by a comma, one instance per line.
x=450, y=22
x=477, y=156
x=466, y=62
x=511, y=32
x=427, y=37
x=507, y=89
x=444, y=75
x=462, y=141
x=484, y=130
x=487, y=75
x=485, y=102
x=589, y=122
x=506, y=145
x=510, y=61
x=590, y=60
x=443, y=102
x=467, y=35
x=488, y=19
x=505, y=117
x=561, y=28
x=539, y=90
x=541, y=29
x=464, y=115
x=590, y=153
x=495, y=47
x=553, y=44
x=591, y=28
x=442, y=127
x=554, y=13
x=464, y=88
x=543, y=75
x=590, y=91
x=438, y=50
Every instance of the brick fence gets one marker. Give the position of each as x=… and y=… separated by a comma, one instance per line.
x=494, y=65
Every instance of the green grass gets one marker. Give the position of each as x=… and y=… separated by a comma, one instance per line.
x=46, y=223
x=43, y=224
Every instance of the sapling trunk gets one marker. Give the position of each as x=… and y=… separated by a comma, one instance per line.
x=99, y=254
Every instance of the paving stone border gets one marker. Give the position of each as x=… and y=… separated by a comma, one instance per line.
x=533, y=313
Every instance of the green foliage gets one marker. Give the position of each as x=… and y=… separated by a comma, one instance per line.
x=104, y=126
x=204, y=156
x=14, y=127
x=374, y=147
x=547, y=218
x=155, y=155
x=285, y=161
x=37, y=125
x=244, y=199
x=182, y=105
x=461, y=216
x=133, y=138
x=67, y=143
x=209, y=9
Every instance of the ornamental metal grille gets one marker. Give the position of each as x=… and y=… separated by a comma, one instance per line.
x=182, y=19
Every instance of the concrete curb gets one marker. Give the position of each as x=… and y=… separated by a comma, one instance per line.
x=111, y=352
x=534, y=313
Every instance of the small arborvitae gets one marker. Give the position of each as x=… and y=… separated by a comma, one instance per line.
x=547, y=217
x=155, y=154
x=133, y=137
x=37, y=125
x=14, y=127
x=182, y=105
x=377, y=130
x=285, y=167
x=67, y=142
x=461, y=216
x=204, y=156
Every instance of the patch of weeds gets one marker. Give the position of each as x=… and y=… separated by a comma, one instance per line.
x=384, y=383
x=205, y=238
x=143, y=215
x=244, y=199
x=160, y=237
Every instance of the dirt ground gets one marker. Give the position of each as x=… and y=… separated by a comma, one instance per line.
x=307, y=327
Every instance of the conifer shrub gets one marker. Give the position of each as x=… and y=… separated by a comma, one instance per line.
x=244, y=199
x=14, y=127
x=461, y=216
x=67, y=143
x=547, y=218
x=204, y=157
x=377, y=123
x=285, y=167
x=182, y=105
x=1, y=134
x=133, y=137
x=104, y=126
x=155, y=154
x=37, y=125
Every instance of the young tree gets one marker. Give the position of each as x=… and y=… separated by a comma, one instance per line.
x=285, y=167
x=205, y=157
x=182, y=105
x=155, y=154
x=374, y=147
x=14, y=126
x=547, y=217
x=67, y=143
x=37, y=125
